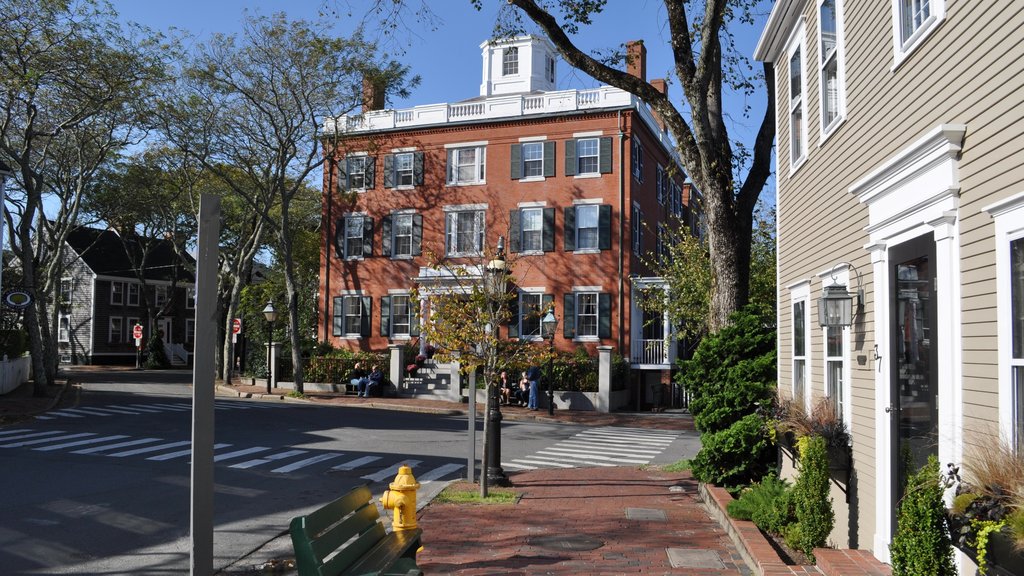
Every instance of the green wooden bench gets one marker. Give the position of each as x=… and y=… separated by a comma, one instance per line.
x=347, y=537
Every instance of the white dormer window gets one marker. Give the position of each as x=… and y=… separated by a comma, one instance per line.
x=510, y=61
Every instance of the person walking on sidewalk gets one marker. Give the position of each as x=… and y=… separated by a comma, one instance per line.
x=533, y=375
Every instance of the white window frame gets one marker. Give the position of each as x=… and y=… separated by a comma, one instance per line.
x=117, y=293
x=838, y=55
x=63, y=328
x=638, y=160
x=350, y=161
x=361, y=219
x=843, y=401
x=510, y=61
x=595, y=157
x=533, y=159
x=120, y=330
x=395, y=217
x=345, y=315
x=133, y=292
x=579, y=295
x=1008, y=216
x=479, y=165
x=392, y=322
x=190, y=298
x=800, y=294
x=798, y=43
x=596, y=247
x=67, y=286
x=190, y=330
x=160, y=295
x=452, y=232
x=904, y=47
x=525, y=247
x=530, y=293
x=129, y=326
x=405, y=173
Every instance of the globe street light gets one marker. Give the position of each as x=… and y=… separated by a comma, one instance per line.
x=271, y=316
x=548, y=323
x=496, y=280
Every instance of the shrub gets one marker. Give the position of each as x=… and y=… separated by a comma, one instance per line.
x=811, y=503
x=336, y=367
x=13, y=343
x=921, y=545
x=735, y=456
x=156, y=356
x=768, y=504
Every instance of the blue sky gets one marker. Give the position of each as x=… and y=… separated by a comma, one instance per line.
x=448, y=58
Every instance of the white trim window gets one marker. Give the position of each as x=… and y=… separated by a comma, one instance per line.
x=354, y=236
x=800, y=332
x=467, y=165
x=533, y=159
x=837, y=357
x=359, y=171
x=190, y=298
x=1016, y=359
x=464, y=232
x=351, y=317
x=796, y=87
x=160, y=296
x=129, y=326
x=401, y=315
x=115, y=333
x=402, y=235
x=531, y=306
x=913, y=21
x=586, y=314
x=63, y=329
x=190, y=330
x=117, y=293
x=638, y=160
x=531, y=220
x=405, y=169
x=510, y=61
x=66, y=285
x=831, y=65
x=133, y=293
x=588, y=152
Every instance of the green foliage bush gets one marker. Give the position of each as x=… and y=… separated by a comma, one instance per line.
x=736, y=456
x=13, y=343
x=768, y=504
x=732, y=373
x=156, y=356
x=336, y=366
x=812, y=506
x=921, y=545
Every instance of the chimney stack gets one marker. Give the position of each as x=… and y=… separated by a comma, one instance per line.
x=373, y=95
x=636, y=59
x=661, y=86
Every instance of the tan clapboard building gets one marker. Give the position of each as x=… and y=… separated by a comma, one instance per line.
x=901, y=174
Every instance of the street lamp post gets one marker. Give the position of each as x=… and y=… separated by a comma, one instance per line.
x=496, y=279
x=271, y=316
x=548, y=324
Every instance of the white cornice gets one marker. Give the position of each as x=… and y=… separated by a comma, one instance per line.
x=939, y=146
x=777, y=30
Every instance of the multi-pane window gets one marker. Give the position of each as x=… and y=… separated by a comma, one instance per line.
x=190, y=297
x=913, y=14
x=637, y=229
x=401, y=234
x=65, y=290
x=116, y=330
x=829, y=60
x=796, y=107
x=587, y=155
x=530, y=311
x=587, y=227
x=160, y=294
x=466, y=165
x=533, y=159
x=1017, y=337
x=190, y=330
x=465, y=232
x=638, y=161
x=586, y=314
x=510, y=61
x=117, y=293
x=133, y=294
x=401, y=315
x=834, y=368
x=404, y=169
x=357, y=172
x=348, y=315
x=353, y=236
x=64, y=329
x=532, y=222
x=800, y=350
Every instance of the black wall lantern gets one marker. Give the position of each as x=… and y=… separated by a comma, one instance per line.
x=836, y=307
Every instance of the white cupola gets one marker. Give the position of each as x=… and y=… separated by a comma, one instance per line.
x=518, y=65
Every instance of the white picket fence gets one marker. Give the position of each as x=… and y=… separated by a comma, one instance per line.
x=14, y=372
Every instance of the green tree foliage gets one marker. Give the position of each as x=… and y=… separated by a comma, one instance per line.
x=921, y=545
x=811, y=503
x=736, y=455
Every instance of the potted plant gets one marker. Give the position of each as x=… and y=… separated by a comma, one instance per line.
x=793, y=422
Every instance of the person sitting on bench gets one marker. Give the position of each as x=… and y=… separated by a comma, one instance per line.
x=358, y=378
x=374, y=383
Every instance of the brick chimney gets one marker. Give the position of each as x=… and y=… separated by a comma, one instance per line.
x=373, y=95
x=636, y=59
x=661, y=86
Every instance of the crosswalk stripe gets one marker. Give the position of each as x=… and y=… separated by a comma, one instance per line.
x=178, y=407
x=108, y=410
x=542, y=462
x=605, y=448
x=180, y=453
x=45, y=440
x=619, y=442
x=159, y=407
x=627, y=437
x=307, y=462
x=575, y=454
x=239, y=453
x=150, y=449
x=439, y=472
x=642, y=432
x=32, y=434
x=72, y=413
x=143, y=408
x=271, y=458
x=390, y=471
x=517, y=466
x=80, y=443
x=17, y=431
x=87, y=411
x=353, y=464
x=118, y=445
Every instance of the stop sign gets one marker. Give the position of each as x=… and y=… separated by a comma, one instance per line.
x=137, y=331
x=236, y=325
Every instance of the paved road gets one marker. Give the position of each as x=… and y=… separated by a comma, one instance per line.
x=102, y=487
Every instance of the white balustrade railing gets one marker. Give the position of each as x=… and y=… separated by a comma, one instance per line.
x=650, y=351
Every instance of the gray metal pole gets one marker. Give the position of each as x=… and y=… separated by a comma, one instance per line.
x=203, y=372
x=471, y=409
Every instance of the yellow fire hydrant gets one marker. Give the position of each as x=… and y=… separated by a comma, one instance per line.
x=402, y=499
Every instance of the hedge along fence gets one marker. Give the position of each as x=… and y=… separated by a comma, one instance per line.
x=336, y=368
x=575, y=372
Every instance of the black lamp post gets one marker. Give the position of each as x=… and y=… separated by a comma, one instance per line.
x=271, y=316
x=548, y=324
x=496, y=281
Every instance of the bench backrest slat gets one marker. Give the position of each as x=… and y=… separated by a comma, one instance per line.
x=318, y=534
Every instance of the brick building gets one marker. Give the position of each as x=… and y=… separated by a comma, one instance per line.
x=580, y=182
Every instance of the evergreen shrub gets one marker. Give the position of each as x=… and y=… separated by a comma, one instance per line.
x=921, y=545
x=812, y=506
x=736, y=456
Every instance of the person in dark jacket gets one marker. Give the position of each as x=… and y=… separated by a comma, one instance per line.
x=358, y=378
x=375, y=383
x=533, y=375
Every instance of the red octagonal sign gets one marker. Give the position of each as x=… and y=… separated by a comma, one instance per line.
x=137, y=331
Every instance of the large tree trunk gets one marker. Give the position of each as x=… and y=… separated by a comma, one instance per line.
x=729, y=237
x=291, y=288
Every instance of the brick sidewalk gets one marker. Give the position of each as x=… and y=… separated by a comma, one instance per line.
x=583, y=521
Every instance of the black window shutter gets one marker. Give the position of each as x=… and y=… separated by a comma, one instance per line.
x=389, y=170
x=417, y=234
x=367, y=236
x=369, y=172
x=417, y=169
x=604, y=315
x=549, y=158
x=337, y=306
x=514, y=231
x=516, y=168
x=569, y=315
x=339, y=238
x=549, y=229
x=385, y=235
x=513, y=317
x=364, y=315
x=385, y=315
x=570, y=157
x=604, y=227
x=570, y=228
x=605, y=155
